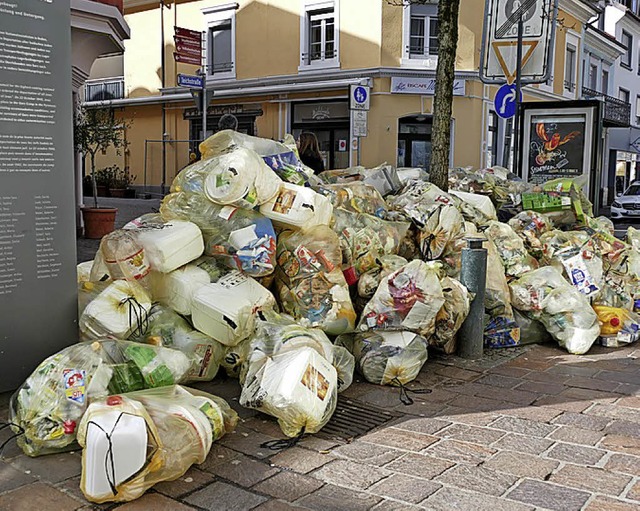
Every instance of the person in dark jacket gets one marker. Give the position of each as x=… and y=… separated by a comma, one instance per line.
x=309, y=151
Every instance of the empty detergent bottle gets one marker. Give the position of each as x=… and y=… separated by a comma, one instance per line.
x=611, y=318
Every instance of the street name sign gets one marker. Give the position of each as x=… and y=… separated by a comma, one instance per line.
x=499, y=59
x=191, y=81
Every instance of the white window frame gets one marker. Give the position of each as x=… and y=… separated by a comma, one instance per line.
x=308, y=7
x=637, y=109
x=213, y=17
x=573, y=41
x=629, y=52
x=429, y=61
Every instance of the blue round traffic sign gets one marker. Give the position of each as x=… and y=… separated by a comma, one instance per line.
x=360, y=95
x=505, y=101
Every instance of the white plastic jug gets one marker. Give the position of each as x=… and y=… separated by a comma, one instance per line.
x=175, y=244
x=297, y=206
x=225, y=310
x=117, y=311
x=175, y=289
x=116, y=449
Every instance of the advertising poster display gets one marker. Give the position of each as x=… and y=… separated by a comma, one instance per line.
x=38, y=303
x=561, y=139
x=557, y=147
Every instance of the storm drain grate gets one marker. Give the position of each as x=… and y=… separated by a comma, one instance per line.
x=352, y=419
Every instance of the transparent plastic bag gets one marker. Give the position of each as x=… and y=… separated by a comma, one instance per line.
x=242, y=239
x=574, y=254
x=136, y=440
x=455, y=310
x=383, y=178
x=513, y=254
x=345, y=364
x=364, y=239
x=387, y=358
x=281, y=157
x=356, y=197
x=530, y=226
x=289, y=375
x=475, y=208
x=309, y=280
x=633, y=238
x=562, y=309
x=500, y=329
x=112, y=309
x=50, y=403
x=170, y=330
x=532, y=331
x=407, y=299
x=120, y=256
x=436, y=215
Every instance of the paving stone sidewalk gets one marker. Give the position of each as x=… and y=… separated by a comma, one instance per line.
x=525, y=429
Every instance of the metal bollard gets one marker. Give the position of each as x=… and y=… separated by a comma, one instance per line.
x=473, y=276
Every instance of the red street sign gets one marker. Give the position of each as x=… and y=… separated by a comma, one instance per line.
x=196, y=45
x=187, y=59
x=185, y=32
x=188, y=51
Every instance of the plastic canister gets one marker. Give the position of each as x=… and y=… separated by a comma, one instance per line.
x=296, y=206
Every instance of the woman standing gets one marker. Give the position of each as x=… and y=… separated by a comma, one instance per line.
x=309, y=150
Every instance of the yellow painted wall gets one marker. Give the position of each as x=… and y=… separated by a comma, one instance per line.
x=391, y=45
x=360, y=33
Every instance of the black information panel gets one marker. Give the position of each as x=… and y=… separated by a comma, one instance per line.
x=38, y=305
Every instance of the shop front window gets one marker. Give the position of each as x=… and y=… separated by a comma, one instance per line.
x=414, y=141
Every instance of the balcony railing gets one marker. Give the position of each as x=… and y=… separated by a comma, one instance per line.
x=569, y=86
x=103, y=90
x=318, y=56
x=422, y=52
x=616, y=111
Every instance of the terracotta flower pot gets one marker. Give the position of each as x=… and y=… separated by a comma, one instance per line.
x=98, y=221
x=117, y=192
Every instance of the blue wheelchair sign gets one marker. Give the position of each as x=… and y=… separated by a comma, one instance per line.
x=505, y=101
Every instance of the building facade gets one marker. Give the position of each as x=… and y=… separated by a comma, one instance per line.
x=284, y=66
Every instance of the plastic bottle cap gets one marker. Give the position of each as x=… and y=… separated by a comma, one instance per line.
x=614, y=321
x=114, y=400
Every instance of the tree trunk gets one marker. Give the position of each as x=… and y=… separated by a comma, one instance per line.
x=443, y=99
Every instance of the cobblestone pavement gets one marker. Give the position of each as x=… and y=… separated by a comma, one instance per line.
x=532, y=428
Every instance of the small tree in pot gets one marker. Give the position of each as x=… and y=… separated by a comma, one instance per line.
x=97, y=129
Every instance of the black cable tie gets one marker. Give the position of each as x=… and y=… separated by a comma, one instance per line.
x=404, y=397
x=284, y=443
x=16, y=435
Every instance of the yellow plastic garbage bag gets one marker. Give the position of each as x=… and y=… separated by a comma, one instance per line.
x=133, y=441
x=50, y=403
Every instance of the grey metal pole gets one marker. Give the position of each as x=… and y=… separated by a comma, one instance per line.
x=473, y=276
x=516, y=124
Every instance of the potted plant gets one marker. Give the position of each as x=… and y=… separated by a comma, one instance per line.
x=104, y=181
x=98, y=129
x=121, y=181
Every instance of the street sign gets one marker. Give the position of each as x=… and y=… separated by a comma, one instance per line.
x=359, y=123
x=500, y=40
x=505, y=101
x=187, y=59
x=194, y=82
x=183, y=49
x=359, y=97
x=196, y=94
x=185, y=32
x=188, y=46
